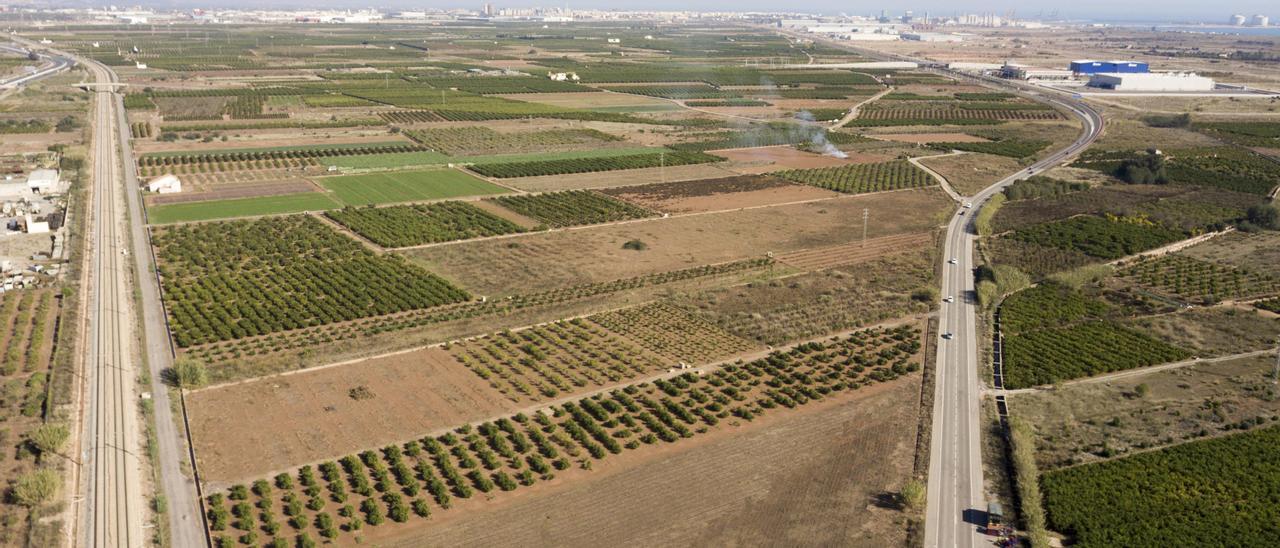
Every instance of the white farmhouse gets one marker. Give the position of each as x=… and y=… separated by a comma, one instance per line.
x=165, y=184
x=43, y=181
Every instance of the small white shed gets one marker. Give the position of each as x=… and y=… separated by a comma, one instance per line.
x=165, y=184
x=43, y=181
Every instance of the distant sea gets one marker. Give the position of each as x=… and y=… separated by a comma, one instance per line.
x=1207, y=29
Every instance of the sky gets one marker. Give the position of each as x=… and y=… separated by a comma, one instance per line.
x=1129, y=10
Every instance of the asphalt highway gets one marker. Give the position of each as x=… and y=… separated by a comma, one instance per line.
x=956, y=495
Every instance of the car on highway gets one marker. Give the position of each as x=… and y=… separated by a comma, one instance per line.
x=961, y=213
x=949, y=299
x=953, y=260
x=968, y=205
x=947, y=335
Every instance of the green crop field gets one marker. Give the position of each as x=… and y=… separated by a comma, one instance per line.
x=406, y=186
x=388, y=160
x=239, y=207
x=1215, y=492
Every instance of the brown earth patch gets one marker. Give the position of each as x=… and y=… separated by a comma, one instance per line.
x=626, y=177
x=818, y=475
x=854, y=252
x=718, y=194
x=781, y=157
x=248, y=429
x=929, y=137
x=225, y=192
x=549, y=260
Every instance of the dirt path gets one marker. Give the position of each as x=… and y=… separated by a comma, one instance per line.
x=1134, y=372
x=946, y=185
x=1173, y=247
x=853, y=112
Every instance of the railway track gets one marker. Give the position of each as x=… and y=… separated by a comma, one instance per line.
x=114, y=502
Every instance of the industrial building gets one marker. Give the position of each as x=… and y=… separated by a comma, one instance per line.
x=1152, y=81
x=1089, y=66
x=1024, y=72
x=932, y=37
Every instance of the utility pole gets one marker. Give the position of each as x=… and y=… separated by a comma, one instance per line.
x=865, y=213
x=662, y=166
x=1275, y=376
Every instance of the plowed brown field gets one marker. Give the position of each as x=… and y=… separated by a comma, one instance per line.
x=248, y=429
x=718, y=194
x=843, y=254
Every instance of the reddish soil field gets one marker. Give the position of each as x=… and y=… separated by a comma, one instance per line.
x=225, y=192
x=856, y=252
x=718, y=194
x=246, y=430
x=782, y=157
x=929, y=137
x=815, y=476
x=623, y=177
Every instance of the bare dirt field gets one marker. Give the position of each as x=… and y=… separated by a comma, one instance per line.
x=854, y=252
x=556, y=259
x=928, y=137
x=248, y=429
x=230, y=191
x=817, y=477
x=718, y=194
x=764, y=159
x=970, y=173
x=1090, y=421
x=626, y=177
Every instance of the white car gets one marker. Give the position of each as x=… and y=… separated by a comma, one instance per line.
x=968, y=205
x=949, y=299
x=953, y=260
x=947, y=335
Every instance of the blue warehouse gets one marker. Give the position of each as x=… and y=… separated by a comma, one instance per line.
x=1089, y=66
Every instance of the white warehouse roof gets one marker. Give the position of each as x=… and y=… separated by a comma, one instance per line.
x=1152, y=81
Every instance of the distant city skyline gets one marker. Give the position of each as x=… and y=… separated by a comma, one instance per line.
x=1141, y=11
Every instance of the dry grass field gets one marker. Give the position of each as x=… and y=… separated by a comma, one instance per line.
x=970, y=173
x=557, y=259
x=1090, y=421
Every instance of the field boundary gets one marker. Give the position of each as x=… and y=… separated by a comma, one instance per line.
x=547, y=405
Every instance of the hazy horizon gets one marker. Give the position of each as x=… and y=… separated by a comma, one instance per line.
x=1080, y=10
